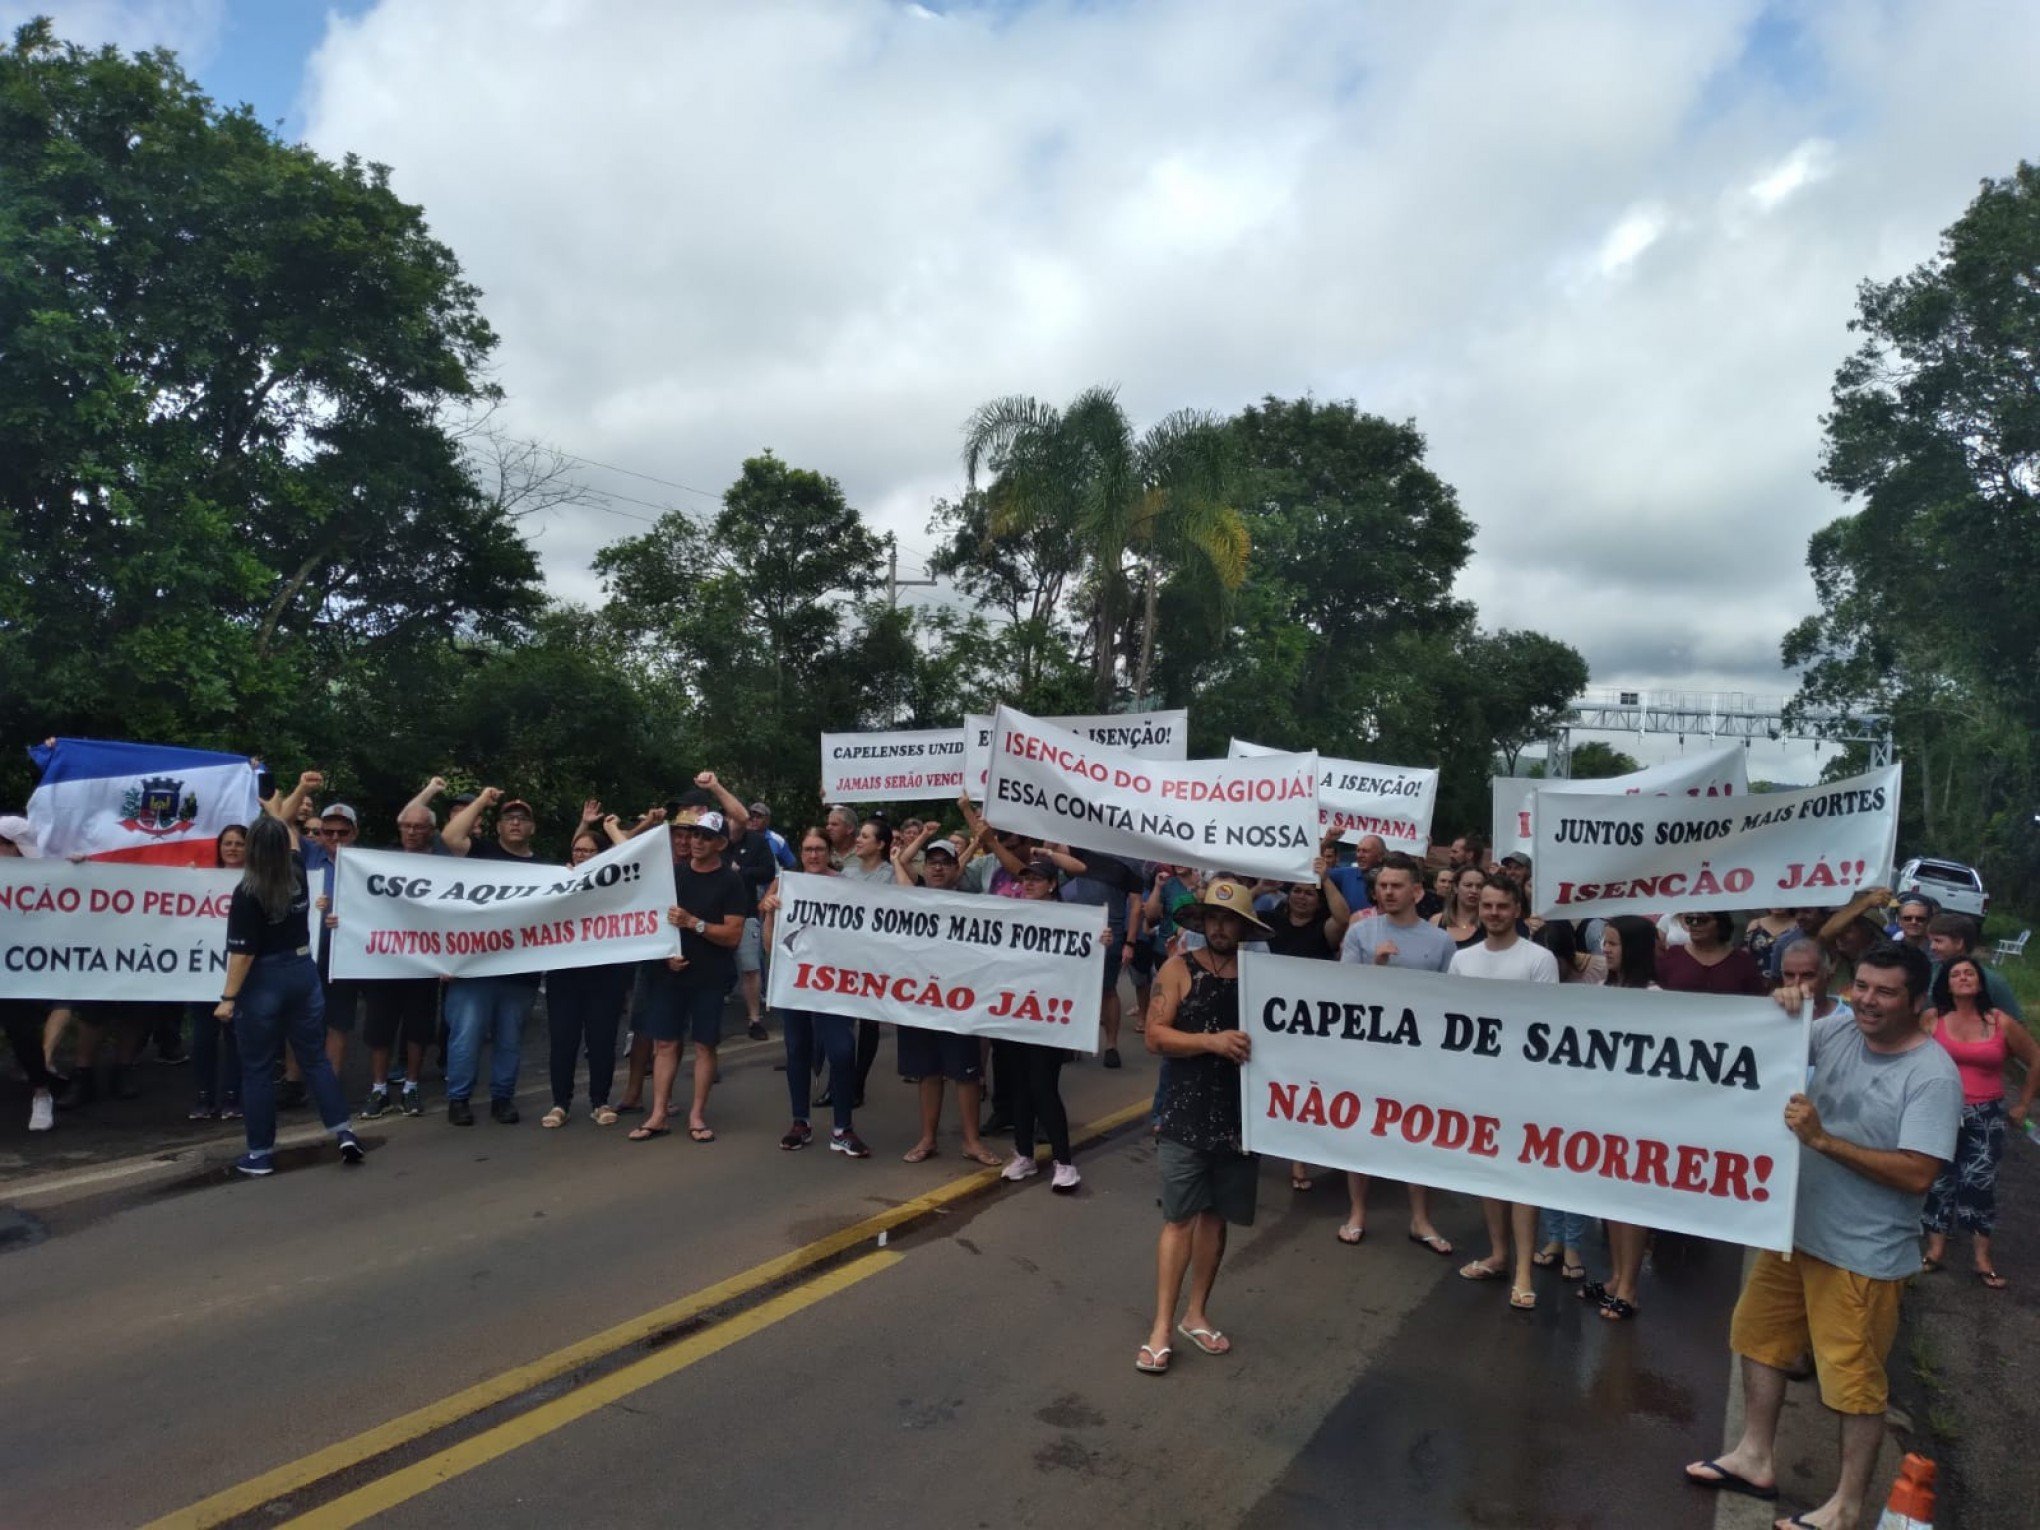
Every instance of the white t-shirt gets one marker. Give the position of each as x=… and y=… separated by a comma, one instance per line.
x=1524, y=962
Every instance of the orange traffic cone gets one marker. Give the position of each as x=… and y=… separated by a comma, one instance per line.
x=1912, y=1497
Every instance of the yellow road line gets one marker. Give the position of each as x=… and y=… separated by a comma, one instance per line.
x=244, y=1497
x=385, y=1493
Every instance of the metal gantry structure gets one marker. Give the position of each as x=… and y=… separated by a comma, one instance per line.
x=1714, y=716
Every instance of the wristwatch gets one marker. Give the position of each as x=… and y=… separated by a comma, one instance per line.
x=701, y=926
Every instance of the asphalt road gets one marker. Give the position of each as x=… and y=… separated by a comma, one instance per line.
x=171, y=1346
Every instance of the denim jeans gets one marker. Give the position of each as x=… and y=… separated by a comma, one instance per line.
x=281, y=1001
x=215, y=1059
x=583, y=1008
x=495, y=1007
x=1569, y=1228
x=836, y=1036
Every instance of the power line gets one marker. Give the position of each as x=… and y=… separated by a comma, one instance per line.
x=610, y=467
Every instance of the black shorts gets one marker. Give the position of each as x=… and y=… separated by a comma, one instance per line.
x=343, y=997
x=675, y=1013
x=401, y=1011
x=938, y=1054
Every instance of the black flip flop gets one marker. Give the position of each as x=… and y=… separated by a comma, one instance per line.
x=647, y=1133
x=1726, y=1481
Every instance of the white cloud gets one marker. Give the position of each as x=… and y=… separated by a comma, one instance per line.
x=190, y=28
x=1810, y=161
x=832, y=228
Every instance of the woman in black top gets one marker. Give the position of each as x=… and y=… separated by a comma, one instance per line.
x=1301, y=926
x=1037, y=1075
x=272, y=993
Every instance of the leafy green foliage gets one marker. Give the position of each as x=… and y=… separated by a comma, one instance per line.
x=1926, y=608
x=224, y=368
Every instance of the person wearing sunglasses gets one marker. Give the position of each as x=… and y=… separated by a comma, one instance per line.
x=1915, y=912
x=1710, y=961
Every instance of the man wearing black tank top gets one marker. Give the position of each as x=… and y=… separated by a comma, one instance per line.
x=1207, y=1180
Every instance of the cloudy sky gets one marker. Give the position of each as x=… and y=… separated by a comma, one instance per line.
x=1604, y=254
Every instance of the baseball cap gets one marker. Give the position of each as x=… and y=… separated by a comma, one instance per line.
x=941, y=847
x=1040, y=866
x=342, y=810
x=711, y=822
x=759, y=810
x=514, y=805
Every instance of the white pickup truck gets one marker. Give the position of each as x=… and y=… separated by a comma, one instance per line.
x=1951, y=884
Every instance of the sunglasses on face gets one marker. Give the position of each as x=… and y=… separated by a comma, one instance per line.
x=1912, y=918
x=336, y=834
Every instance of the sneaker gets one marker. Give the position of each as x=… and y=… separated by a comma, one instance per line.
x=82, y=1089
x=352, y=1152
x=460, y=1113
x=42, y=1111
x=755, y=1029
x=504, y=1112
x=230, y=1112
x=798, y=1136
x=413, y=1106
x=201, y=1112
x=254, y=1165
x=1020, y=1168
x=1111, y=1058
x=848, y=1143
x=378, y=1104
x=1066, y=1179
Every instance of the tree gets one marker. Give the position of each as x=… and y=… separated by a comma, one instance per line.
x=1596, y=761
x=1021, y=584
x=758, y=623
x=1346, y=638
x=225, y=364
x=1082, y=473
x=1926, y=611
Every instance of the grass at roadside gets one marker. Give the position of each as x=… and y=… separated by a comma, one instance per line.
x=2023, y=973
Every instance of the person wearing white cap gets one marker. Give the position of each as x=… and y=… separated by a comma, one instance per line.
x=684, y=994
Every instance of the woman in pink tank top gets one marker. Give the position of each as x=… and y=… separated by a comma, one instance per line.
x=1981, y=1040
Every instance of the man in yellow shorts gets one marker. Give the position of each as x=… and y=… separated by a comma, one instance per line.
x=1875, y=1126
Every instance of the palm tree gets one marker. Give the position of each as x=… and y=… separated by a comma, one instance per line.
x=1164, y=497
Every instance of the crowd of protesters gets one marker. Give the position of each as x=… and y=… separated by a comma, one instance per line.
x=1903, y=1122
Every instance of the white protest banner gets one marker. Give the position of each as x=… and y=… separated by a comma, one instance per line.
x=112, y=931
x=1009, y=968
x=1257, y=817
x=406, y=916
x=1815, y=848
x=1660, y=1109
x=1356, y=799
x=922, y=765
x=1151, y=735
x=1717, y=773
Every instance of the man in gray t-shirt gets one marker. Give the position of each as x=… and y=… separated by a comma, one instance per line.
x=1391, y=935
x=1875, y=1125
